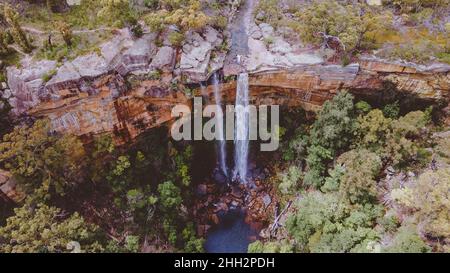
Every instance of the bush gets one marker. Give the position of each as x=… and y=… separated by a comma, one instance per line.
x=47, y=76
x=221, y=22
x=170, y=195
x=427, y=199
x=176, y=38
x=321, y=223
x=290, y=180
x=358, y=183
x=269, y=12
x=45, y=229
x=419, y=51
x=406, y=240
x=354, y=25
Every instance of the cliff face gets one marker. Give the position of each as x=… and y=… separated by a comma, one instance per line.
x=89, y=95
x=111, y=107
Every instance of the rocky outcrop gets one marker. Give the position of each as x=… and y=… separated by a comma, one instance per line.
x=90, y=94
x=137, y=57
x=8, y=188
x=270, y=51
x=122, y=55
x=38, y=82
x=201, y=55
x=111, y=108
x=310, y=86
x=105, y=104
x=26, y=84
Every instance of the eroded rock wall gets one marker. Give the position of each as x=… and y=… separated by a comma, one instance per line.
x=127, y=113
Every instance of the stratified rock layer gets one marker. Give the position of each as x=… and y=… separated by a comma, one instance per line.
x=106, y=105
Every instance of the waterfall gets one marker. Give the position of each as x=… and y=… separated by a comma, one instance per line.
x=241, y=139
x=222, y=156
x=203, y=90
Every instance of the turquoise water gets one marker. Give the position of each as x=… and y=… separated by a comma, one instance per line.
x=231, y=235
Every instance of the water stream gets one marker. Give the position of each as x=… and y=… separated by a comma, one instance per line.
x=232, y=234
x=241, y=138
x=222, y=157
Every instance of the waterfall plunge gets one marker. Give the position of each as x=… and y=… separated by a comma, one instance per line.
x=222, y=157
x=241, y=140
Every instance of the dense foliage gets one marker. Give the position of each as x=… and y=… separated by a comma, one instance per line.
x=48, y=229
x=344, y=202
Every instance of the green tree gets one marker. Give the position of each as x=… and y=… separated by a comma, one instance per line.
x=354, y=25
x=391, y=110
x=192, y=244
x=170, y=195
x=317, y=160
x=186, y=15
x=19, y=36
x=66, y=32
x=283, y=246
x=332, y=132
x=407, y=240
x=430, y=199
x=395, y=141
x=335, y=124
x=322, y=223
x=372, y=130
x=314, y=211
x=402, y=142
x=47, y=229
x=290, y=180
x=358, y=183
x=41, y=160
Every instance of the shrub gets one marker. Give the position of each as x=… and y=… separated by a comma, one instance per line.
x=47, y=76
x=406, y=240
x=290, y=180
x=221, y=22
x=176, y=38
x=358, y=183
x=353, y=25
x=419, y=51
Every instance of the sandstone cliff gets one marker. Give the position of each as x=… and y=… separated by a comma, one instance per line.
x=93, y=94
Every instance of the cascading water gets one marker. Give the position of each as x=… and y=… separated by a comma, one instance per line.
x=222, y=157
x=241, y=138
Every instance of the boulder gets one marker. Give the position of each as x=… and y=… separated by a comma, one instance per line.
x=25, y=83
x=202, y=230
x=202, y=189
x=90, y=65
x=267, y=200
x=138, y=56
x=196, y=54
x=8, y=187
x=111, y=50
x=267, y=30
x=279, y=55
x=67, y=77
x=280, y=46
x=6, y=94
x=164, y=60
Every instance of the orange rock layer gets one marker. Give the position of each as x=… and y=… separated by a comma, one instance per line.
x=128, y=112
